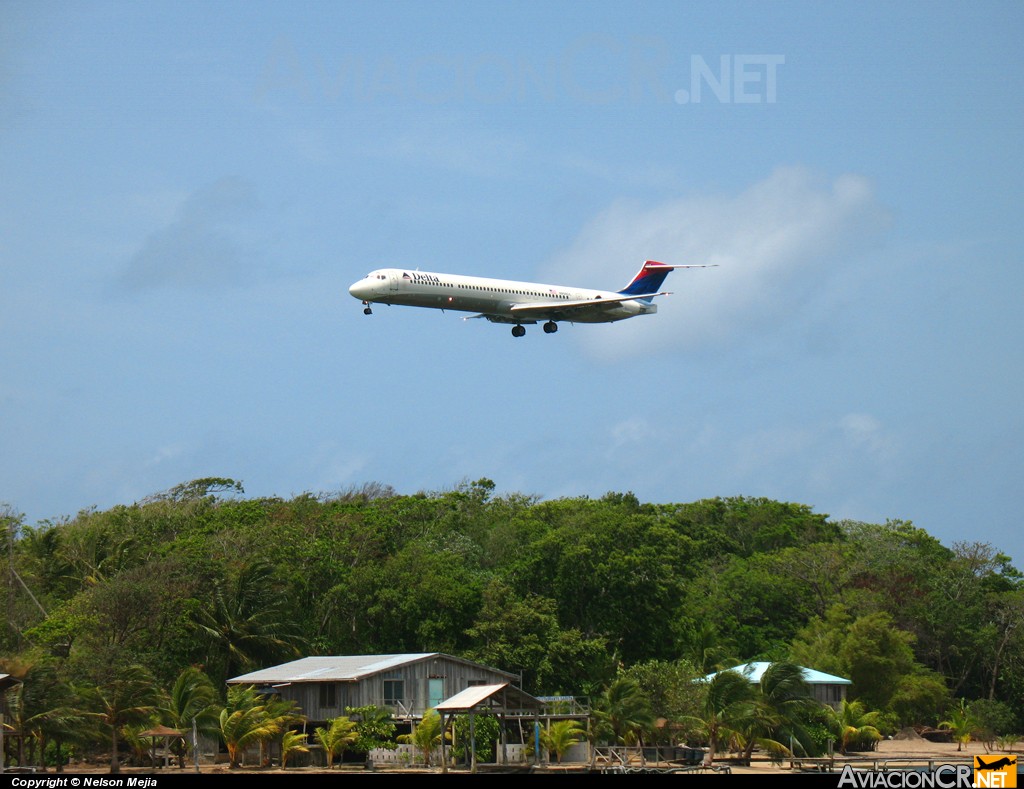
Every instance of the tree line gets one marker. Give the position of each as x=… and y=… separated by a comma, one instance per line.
x=573, y=594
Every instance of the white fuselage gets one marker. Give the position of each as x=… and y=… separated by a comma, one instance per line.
x=493, y=298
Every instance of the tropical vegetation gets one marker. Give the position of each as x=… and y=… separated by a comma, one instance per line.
x=139, y=613
x=561, y=735
x=426, y=736
x=336, y=738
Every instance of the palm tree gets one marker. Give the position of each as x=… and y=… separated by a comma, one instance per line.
x=856, y=725
x=250, y=718
x=560, y=736
x=39, y=718
x=335, y=739
x=705, y=647
x=961, y=723
x=292, y=742
x=127, y=697
x=781, y=703
x=725, y=709
x=426, y=736
x=248, y=622
x=624, y=710
x=192, y=698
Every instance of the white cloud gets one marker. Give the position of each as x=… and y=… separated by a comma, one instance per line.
x=865, y=433
x=164, y=454
x=629, y=432
x=774, y=243
x=201, y=246
x=771, y=452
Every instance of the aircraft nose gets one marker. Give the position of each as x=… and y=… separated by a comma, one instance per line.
x=361, y=290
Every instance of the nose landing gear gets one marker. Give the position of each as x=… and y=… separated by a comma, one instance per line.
x=366, y=309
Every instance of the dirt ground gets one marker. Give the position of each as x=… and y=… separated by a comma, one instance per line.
x=895, y=752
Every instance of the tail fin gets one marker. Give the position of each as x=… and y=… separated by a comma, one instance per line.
x=648, y=280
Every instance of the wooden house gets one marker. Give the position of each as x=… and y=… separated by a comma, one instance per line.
x=407, y=685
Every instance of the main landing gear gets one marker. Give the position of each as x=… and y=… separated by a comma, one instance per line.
x=549, y=328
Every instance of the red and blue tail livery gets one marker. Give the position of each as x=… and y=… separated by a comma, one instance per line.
x=646, y=283
x=514, y=302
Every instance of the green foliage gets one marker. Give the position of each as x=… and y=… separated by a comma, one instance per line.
x=524, y=635
x=856, y=726
x=426, y=735
x=961, y=723
x=250, y=718
x=876, y=655
x=702, y=644
x=44, y=707
x=124, y=696
x=191, y=698
x=993, y=718
x=919, y=698
x=561, y=735
x=292, y=742
x=249, y=623
x=572, y=593
x=671, y=686
x=375, y=728
x=727, y=697
x=776, y=715
x=486, y=731
x=623, y=712
x=336, y=738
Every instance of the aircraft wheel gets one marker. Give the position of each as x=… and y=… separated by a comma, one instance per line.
x=550, y=327
x=367, y=311
x=518, y=331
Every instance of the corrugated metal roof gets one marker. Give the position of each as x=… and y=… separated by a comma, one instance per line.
x=754, y=671
x=337, y=668
x=476, y=695
x=469, y=697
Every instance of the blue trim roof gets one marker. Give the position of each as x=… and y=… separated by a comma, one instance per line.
x=754, y=671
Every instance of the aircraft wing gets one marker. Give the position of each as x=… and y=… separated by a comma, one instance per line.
x=567, y=309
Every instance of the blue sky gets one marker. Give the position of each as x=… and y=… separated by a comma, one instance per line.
x=187, y=190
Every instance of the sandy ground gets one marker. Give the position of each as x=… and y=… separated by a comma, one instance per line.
x=895, y=752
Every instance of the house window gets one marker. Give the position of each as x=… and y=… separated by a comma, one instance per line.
x=328, y=695
x=394, y=691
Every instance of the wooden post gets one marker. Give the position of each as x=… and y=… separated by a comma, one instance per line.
x=472, y=744
x=444, y=760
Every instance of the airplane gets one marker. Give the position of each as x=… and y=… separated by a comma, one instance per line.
x=998, y=764
x=518, y=303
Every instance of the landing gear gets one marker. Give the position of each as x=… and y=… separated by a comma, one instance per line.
x=366, y=309
x=518, y=331
x=550, y=327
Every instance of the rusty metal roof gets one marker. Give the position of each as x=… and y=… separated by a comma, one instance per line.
x=489, y=697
